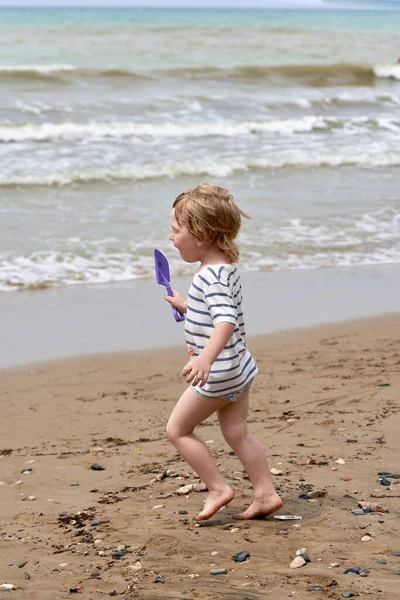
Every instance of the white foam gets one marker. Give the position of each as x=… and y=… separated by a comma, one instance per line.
x=374, y=157
x=43, y=69
x=72, y=131
x=371, y=238
x=387, y=71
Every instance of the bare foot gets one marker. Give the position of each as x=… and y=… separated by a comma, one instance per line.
x=261, y=508
x=215, y=500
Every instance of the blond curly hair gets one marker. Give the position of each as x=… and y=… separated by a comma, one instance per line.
x=211, y=215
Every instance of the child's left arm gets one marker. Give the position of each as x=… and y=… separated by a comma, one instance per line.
x=198, y=368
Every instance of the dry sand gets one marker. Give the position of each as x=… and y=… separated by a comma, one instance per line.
x=318, y=389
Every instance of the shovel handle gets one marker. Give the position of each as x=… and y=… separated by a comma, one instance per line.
x=177, y=315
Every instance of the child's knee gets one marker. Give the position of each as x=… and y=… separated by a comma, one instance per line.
x=235, y=435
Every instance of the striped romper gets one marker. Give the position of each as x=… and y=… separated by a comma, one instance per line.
x=215, y=296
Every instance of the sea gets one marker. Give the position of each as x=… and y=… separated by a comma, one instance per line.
x=106, y=115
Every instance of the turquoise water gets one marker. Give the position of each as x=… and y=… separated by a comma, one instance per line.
x=327, y=19
x=106, y=115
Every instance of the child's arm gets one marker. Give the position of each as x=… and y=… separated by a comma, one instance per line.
x=177, y=301
x=198, y=368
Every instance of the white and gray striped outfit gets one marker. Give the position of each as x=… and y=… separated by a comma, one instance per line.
x=215, y=296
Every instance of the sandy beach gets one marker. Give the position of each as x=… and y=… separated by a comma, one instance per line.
x=325, y=406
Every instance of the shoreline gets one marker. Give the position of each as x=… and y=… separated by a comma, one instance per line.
x=78, y=321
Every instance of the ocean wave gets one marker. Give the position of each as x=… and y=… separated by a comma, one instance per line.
x=371, y=238
x=211, y=167
x=313, y=75
x=65, y=71
x=73, y=131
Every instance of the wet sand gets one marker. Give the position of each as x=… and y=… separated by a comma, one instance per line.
x=324, y=393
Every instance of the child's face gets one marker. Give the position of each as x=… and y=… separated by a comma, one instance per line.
x=188, y=246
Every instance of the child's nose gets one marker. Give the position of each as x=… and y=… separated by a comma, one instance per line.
x=171, y=237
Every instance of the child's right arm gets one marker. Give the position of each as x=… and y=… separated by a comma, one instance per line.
x=177, y=301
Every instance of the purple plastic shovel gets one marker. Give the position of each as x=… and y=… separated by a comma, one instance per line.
x=162, y=275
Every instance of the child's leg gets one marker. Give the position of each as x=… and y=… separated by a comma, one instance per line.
x=233, y=422
x=191, y=410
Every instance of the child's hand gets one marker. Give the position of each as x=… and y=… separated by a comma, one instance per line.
x=177, y=301
x=197, y=370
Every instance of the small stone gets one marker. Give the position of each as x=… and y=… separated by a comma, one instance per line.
x=367, y=538
x=334, y=565
x=183, y=512
x=31, y=498
x=384, y=482
x=283, y=532
x=316, y=494
x=26, y=575
x=97, y=467
x=200, y=487
x=158, y=506
x=352, y=441
x=26, y=470
x=185, y=489
x=218, y=571
x=396, y=554
x=119, y=553
x=135, y=567
x=297, y=562
x=214, y=553
x=381, y=562
x=348, y=595
x=303, y=552
x=7, y=586
x=352, y=571
x=364, y=573
x=159, y=579
x=315, y=588
x=21, y=565
x=340, y=461
x=241, y=557
x=121, y=547
x=276, y=472
x=358, y=511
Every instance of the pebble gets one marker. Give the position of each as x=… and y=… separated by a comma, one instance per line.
x=352, y=570
x=358, y=511
x=381, y=562
x=183, y=512
x=396, y=554
x=158, y=506
x=119, y=553
x=26, y=470
x=384, y=481
x=97, y=467
x=352, y=441
x=21, y=565
x=26, y=575
x=315, y=588
x=7, y=586
x=340, y=461
x=367, y=538
x=159, y=579
x=185, y=489
x=241, y=556
x=276, y=472
x=31, y=497
x=348, y=595
x=334, y=565
x=297, y=562
x=303, y=553
x=218, y=571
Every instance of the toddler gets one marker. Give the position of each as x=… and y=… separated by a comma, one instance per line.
x=205, y=224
